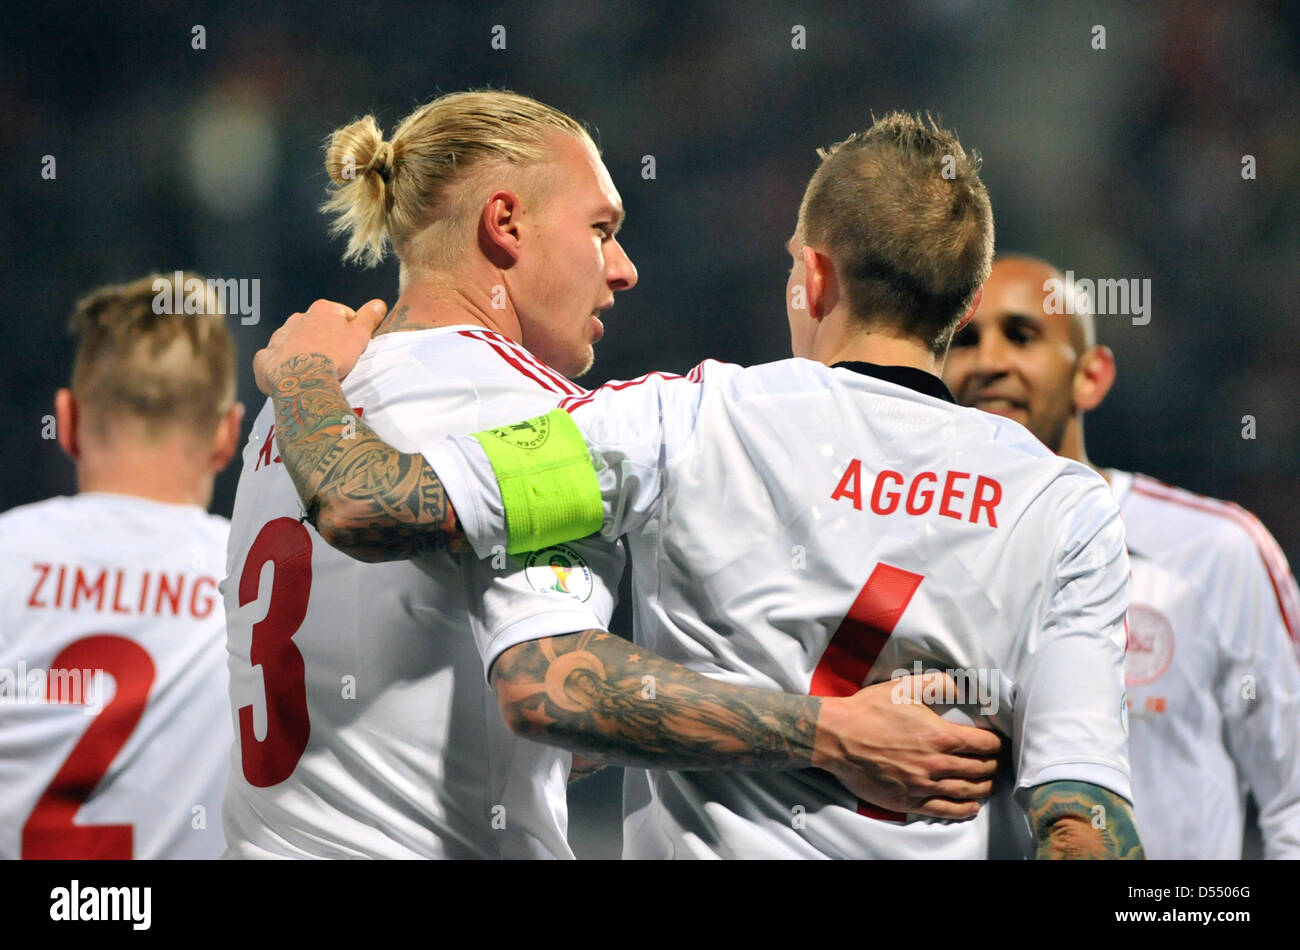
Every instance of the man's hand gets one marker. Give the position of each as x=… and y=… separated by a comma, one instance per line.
x=902, y=755
x=330, y=330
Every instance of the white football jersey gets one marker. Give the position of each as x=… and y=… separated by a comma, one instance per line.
x=114, y=715
x=1213, y=680
x=804, y=528
x=365, y=726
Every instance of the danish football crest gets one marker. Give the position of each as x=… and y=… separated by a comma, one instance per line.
x=1150, y=645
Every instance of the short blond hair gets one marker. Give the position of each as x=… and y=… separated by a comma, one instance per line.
x=163, y=369
x=901, y=211
x=420, y=190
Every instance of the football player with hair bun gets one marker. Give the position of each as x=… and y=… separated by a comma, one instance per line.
x=806, y=526
x=367, y=726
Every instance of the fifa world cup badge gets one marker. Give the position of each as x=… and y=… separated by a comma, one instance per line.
x=559, y=570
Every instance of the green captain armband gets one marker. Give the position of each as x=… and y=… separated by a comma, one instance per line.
x=547, y=481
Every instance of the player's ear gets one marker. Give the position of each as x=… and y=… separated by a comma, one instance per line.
x=499, y=233
x=66, y=417
x=1093, y=377
x=970, y=311
x=226, y=441
x=819, y=282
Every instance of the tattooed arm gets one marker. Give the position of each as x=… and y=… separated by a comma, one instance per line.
x=614, y=702
x=362, y=495
x=656, y=715
x=1077, y=820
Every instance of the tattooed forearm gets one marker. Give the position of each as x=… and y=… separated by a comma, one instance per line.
x=365, y=497
x=1076, y=820
x=619, y=704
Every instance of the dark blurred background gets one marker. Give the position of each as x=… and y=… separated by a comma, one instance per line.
x=1123, y=162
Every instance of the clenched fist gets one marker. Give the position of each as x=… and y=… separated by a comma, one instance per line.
x=327, y=329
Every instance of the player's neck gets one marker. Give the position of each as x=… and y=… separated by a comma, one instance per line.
x=431, y=301
x=157, y=475
x=1072, y=446
x=879, y=348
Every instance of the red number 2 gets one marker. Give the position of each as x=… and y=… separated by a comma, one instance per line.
x=857, y=643
x=49, y=832
x=285, y=543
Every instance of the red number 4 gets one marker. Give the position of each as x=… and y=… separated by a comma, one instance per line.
x=847, y=662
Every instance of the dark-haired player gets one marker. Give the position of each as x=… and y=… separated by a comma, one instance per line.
x=1213, y=682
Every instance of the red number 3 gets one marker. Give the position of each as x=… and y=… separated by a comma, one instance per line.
x=269, y=761
x=857, y=643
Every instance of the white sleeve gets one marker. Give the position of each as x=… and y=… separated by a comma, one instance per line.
x=562, y=589
x=1259, y=692
x=1070, y=721
x=471, y=486
x=630, y=431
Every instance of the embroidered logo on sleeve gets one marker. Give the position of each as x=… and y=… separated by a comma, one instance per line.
x=559, y=570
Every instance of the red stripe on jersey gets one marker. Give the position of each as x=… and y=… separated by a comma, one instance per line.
x=578, y=402
x=564, y=383
x=1274, y=560
x=1279, y=573
x=505, y=345
x=505, y=355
